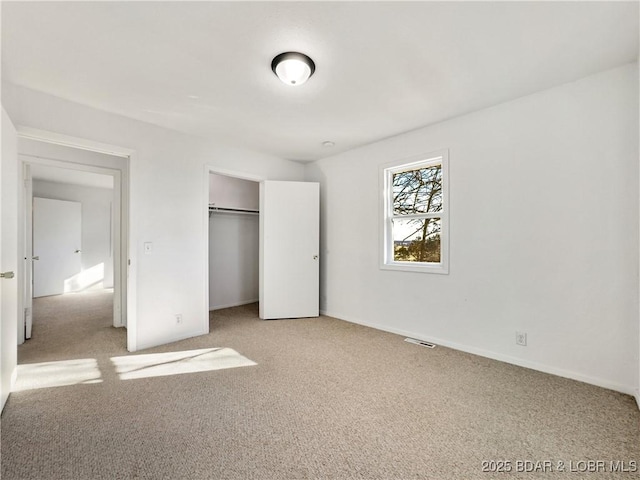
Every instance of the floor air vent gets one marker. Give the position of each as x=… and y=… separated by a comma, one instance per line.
x=420, y=342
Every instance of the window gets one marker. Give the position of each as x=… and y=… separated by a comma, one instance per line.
x=415, y=214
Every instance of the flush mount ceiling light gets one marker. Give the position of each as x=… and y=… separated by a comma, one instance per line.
x=293, y=68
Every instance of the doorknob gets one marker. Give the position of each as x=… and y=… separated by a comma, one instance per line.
x=7, y=275
x=77, y=251
x=315, y=257
x=37, y=257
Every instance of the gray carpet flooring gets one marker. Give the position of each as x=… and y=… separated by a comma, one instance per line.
x=326, y=400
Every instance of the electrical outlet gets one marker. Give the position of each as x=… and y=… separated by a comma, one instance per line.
x=179, y=318
x=521, y=338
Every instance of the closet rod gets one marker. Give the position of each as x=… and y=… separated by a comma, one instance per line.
x=232, y=210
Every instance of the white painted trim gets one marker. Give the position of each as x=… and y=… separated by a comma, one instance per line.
x=119, y=317
x=261, y=291
x=185, y=336
x=26, y=247
x=599, y=382
x=6, y=395
x=66, y=164
x=12, y=383
x=205, y=233
x=69, y=141
x=128, y=258
x=236, y=304
x=231, y=173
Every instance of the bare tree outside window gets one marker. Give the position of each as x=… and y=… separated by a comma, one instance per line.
x=415, y=193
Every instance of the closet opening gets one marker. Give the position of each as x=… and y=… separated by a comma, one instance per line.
x=234, y=240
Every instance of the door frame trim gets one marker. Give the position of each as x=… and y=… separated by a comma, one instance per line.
x=124, y=272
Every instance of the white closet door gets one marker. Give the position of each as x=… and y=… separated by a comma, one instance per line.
x=289, y=249
x=57, y=244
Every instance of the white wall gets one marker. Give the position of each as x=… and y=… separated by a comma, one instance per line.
x=95, y=223
x=233, y=259
x=168, y=205
x=544, y=233
x=10, y=288
x=231, y=192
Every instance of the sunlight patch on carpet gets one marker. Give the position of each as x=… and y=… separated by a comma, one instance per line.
x=57, y=374
x=176, y=363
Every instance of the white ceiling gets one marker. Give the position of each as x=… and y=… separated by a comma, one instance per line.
x=382, y=68
x=74, y=177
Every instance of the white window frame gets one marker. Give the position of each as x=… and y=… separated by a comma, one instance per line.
x=386, y=234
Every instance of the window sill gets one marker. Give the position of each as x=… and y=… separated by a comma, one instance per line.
x=437, y=268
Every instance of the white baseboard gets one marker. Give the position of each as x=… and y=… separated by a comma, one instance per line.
x=167, y=341
x=498, y=356
x=12, y=382
x=236, y=304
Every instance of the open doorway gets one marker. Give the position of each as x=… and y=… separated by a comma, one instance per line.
x=73, y=234
x=74, y=241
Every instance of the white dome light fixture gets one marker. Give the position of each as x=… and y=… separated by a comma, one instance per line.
x=293, y=68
